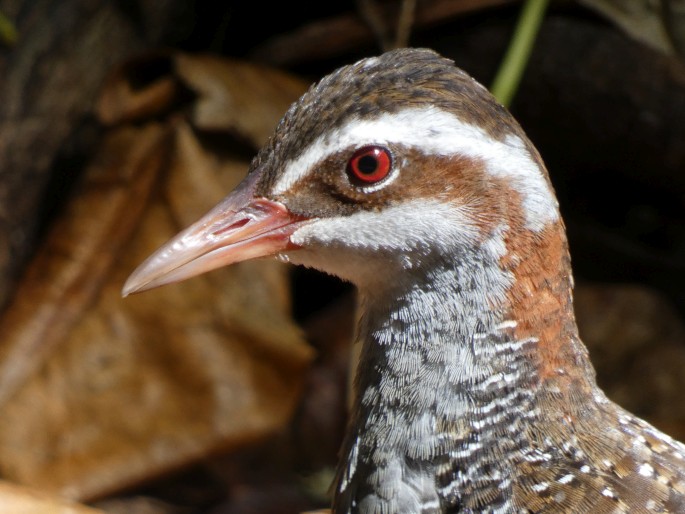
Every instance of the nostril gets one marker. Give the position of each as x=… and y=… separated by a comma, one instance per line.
x=232, y=226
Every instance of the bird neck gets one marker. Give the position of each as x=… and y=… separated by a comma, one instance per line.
x=501, y=311
x=450, y=365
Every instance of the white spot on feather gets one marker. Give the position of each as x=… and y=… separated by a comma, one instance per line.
x=608, y=493
x=369, y=62
x=566, y=479
x=541, y=487
x=646, y=470
x=351, y=466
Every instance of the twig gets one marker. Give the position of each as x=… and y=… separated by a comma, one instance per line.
x=405, y=23
x=374, y=18
x=329, y=37
x=509, y=75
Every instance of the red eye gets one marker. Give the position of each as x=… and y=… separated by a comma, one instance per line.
x=370, y=164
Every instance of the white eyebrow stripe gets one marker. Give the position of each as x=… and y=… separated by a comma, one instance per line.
x=433, y=130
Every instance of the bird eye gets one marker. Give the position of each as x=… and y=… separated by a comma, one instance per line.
x=370, y=164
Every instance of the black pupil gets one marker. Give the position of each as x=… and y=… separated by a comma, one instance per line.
x=367, y=164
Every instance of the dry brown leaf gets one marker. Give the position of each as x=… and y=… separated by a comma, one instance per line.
x=238, y=96
x=16, y=499
x=148, y=384
x=75, y=260
x=232, y=96
x=124, y=100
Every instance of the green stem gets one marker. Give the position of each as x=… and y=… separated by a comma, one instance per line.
x=514, y=63
x=8, y=34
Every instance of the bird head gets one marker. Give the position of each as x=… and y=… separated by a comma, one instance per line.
x=379, y=171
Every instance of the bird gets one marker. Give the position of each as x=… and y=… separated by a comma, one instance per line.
x=474, y=392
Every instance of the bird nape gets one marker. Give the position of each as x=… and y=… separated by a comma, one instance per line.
x=474, y=393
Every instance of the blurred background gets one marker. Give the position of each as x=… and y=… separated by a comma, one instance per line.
x=123, y=121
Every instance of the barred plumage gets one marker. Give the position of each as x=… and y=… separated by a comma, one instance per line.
x=474, y=392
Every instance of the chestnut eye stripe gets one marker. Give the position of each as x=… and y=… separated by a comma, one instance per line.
x=439, y=132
